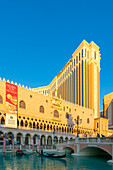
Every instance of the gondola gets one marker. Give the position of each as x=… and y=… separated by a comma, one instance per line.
x=20, y=152
x=51, y=155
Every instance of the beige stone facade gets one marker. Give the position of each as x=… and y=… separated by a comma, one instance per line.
x=38, y=111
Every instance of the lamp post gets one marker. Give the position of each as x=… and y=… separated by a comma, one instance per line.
x=77, y=129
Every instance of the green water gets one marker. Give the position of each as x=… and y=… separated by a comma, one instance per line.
x=32, y=162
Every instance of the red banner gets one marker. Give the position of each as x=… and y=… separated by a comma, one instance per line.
x=11, y=104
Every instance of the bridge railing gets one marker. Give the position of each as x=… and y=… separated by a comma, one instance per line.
x=89, y=140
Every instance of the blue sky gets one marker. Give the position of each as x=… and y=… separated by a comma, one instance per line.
x=38, y=37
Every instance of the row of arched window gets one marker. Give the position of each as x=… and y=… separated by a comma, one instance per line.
x=43, y=126
x=23, y=106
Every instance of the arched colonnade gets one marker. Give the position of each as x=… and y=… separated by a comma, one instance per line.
x=27, y=138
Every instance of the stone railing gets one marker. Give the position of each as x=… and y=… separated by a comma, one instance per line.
x=93, y=140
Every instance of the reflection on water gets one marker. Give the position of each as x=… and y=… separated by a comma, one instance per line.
x=31, y=162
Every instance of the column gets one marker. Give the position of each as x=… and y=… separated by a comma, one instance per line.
x=78, y=148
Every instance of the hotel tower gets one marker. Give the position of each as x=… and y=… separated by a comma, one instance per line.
x=79, y=81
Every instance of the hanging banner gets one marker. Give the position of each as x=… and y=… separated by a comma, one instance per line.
x=11, y=105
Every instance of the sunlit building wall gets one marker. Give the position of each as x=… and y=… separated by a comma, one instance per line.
x=79, y=81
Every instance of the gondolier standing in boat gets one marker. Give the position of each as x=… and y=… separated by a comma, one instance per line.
x=41, y=150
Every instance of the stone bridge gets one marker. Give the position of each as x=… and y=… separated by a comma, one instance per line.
x=89, y=146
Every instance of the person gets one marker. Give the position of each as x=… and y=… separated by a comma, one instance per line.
x=9, y=141
x=42, y=150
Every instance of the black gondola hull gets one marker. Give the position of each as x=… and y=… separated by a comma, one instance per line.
x=52, y=155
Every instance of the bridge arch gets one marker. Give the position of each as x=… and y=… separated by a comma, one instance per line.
x=68, y=149
x=94, y=151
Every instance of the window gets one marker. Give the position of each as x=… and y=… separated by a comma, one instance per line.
x=88, y=120
x=79, y=56
x=76, y=59
x=85, y=52
x=95, y=55
x=64, y=108
x=67, y=115
x=1, y=100
x=97, y=125
x=22, y=104
x=2, y=121
x=80, y=120
x=56, y=114
x=82, y=53
x=41, y=109
x=74, y=62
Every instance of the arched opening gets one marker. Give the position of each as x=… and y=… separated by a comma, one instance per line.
x=54, y=127
x=44, y=126
x=49, y=141
x=56, y=114
x=35, y=139
x=1, y=99
x=34, y=125
x=27, y=139
x=94, y=151
x=26, y=123
x=61, y=139
x=37, y=125
x=41, y=109
x=68, y=130
x=50, y=127
x=55, y=139
x=87, y=120
x=17, y=122
x=30, y=125
x=47, y=127
x=2, y=121
x=68, y=150
x=22, y=104
x=57, y=128
x=41, y=126
x=9, y=136
x=21, y=123
x=67, y=115
x=66, y=139
x=19, y=138
x=62, y=129
x=71, y=139
x=43, y=140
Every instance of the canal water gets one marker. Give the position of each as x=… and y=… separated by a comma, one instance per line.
x=33, y=162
